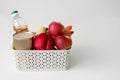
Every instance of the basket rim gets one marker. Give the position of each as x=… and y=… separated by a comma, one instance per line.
x=42, y=50
x=39, y=51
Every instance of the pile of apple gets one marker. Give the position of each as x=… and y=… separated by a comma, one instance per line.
x=55, y=37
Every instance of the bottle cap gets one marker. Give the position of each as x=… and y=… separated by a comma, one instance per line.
x=14, y=12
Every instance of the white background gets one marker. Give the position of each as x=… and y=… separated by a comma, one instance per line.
x=95, y=53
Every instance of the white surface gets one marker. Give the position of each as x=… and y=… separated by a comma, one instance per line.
x=95, y=53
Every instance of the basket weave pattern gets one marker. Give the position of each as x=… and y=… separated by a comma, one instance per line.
x=41, y=59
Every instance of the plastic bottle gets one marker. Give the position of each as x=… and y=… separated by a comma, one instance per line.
x=18, y=22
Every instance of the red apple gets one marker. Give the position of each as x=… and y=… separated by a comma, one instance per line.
x=43, y=42
x=50, y=43
x=63, y=42
x=55, y=29
x=40, y=41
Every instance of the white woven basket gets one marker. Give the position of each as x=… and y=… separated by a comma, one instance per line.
x=41, y=59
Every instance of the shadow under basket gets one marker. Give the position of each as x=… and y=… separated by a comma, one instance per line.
x=41, y=59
